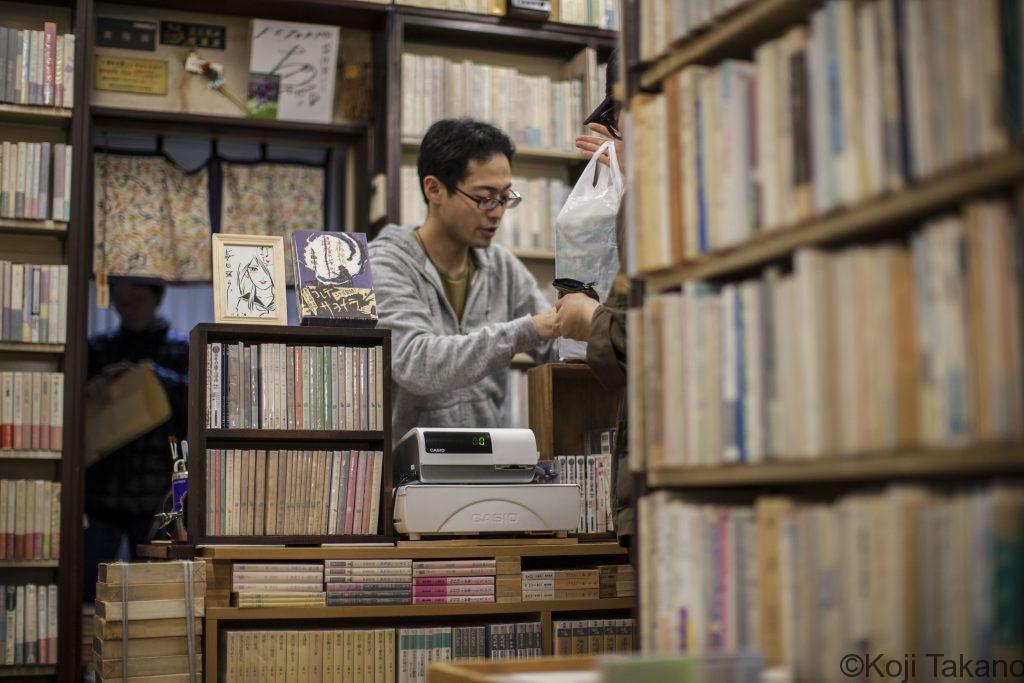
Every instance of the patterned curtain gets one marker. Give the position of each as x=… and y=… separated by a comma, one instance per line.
x=272, y=199
x=151, y=218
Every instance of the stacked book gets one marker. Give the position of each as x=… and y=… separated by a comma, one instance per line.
x=449, y=581
x=508, y=579
x=37, y=67
x=279, y=386
x=616, y=580
x=31, y=410
x=34, y=302
x=310, y=655
x=561, y=584
x=593, y=637
x=593, y=474
x=368, y=582
x=35, y=180
x=255, y=493
x=471, y=6
x=855, y=351
x=28, y=625
x=278, y=585
x=786, y=578
x=497, y=641
x=29, y=519
x=147, y=606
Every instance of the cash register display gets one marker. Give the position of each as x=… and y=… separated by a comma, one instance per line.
x=457, y=442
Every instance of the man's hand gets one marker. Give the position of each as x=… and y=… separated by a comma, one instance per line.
x=589, y=144
x=545, y=324
x=573, y=315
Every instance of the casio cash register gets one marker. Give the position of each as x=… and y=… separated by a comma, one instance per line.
x=476, y=481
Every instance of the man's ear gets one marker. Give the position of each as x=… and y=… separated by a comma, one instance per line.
x=433, y=188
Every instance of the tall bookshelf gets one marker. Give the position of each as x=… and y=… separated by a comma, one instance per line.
x=893, y=217
x=52, y=242
x=375, y=148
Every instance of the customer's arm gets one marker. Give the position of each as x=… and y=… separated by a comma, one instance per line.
x=529, y=300
x=424, y=362
x=606, y=344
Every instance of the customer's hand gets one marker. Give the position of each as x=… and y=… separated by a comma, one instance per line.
x=589, y=144
x=573, y=315
x=545, y=324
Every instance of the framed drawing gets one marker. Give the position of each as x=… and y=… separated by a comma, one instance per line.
x=248, y=279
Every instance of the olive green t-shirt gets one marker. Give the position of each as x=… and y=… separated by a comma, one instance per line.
x=456, y=289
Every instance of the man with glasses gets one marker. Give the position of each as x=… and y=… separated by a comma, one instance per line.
x=459, y=307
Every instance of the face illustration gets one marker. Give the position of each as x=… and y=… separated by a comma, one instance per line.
x=459, y=215
x=257, y=271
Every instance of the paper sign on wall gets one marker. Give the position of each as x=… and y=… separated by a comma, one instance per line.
x=304, y=56
x=127, y=74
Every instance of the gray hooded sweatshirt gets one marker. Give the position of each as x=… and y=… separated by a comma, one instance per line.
x=449, y=373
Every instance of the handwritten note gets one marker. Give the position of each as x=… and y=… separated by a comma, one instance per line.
x=305, y=58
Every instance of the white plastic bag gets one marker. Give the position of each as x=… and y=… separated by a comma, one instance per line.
x=585, y=243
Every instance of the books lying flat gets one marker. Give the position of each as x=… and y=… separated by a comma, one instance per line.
x=145, y=628
x=454, y=581
x=149, y=609
x=148, y=591
x=334, y=601
x=112, y=648
x=151, y=572
x=147, y=666
x=450, y=599
x=382, y=586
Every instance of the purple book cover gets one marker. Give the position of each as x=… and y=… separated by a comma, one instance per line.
x=332, y=279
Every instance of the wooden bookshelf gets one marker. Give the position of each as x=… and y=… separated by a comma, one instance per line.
x=522, y=152
x=419, y=550
x=29, y=455
x=734, y=35
x=33, y=227
x=945, y=463
x=29, y=564
x=22, y=672
x=36, y=115
x=404, y=611
x=201, y=437
x=898, y=211
x=26, y=347
x=566, y=400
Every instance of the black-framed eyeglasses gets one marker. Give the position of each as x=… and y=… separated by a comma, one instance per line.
x=509, y=201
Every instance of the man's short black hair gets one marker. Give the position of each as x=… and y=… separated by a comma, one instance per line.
x=450, y=144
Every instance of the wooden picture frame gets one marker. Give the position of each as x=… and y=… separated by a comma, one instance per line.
x=237, y=296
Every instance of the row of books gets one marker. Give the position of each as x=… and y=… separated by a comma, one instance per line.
x=28, y=630
x=860, y=350
x=369, y=655
x=256, y=492
x=536, y=111
x=453, y=581
x=616, y=581
x=597, y=13
x=583, y=637
x=281, y=386
x=35, y=180
x=34, y=302
x=141, y=626
x=368, y=582
x=561, y=584
x=29, y=519
x=31, y=410
x=593, y=473
x=528, y=227
x=873, y=95
x=664, y=22
x=37, y=67
x=907, y=570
